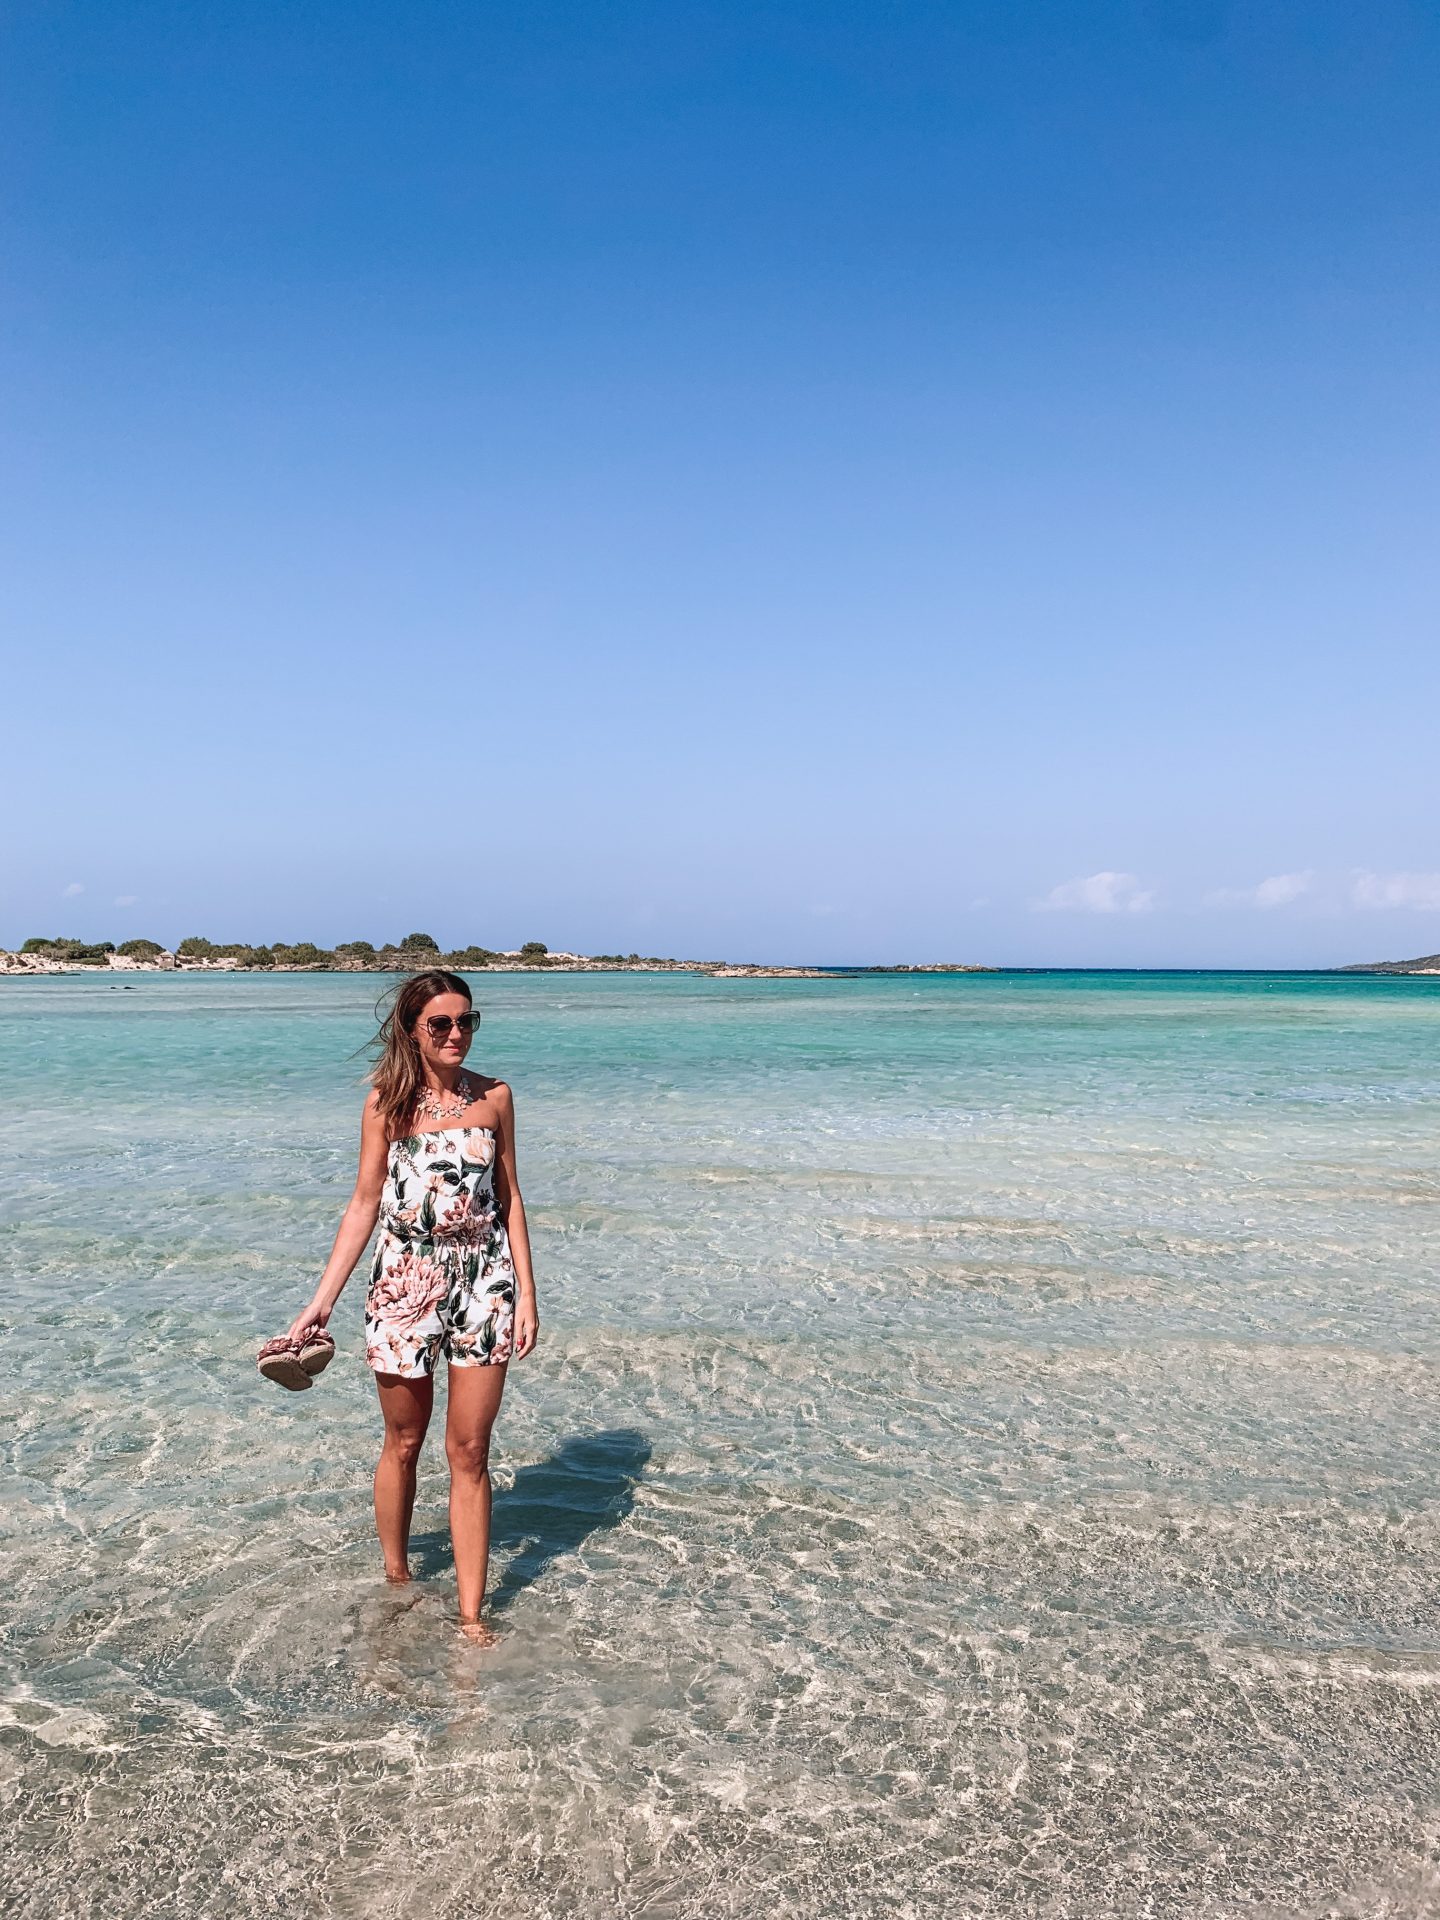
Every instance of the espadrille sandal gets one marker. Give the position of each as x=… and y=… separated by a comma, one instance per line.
x=279, y=1360
x=315, y=1350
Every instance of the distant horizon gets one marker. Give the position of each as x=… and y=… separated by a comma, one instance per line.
x=633, y=956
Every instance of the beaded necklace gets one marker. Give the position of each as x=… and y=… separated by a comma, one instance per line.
x=433, y=1105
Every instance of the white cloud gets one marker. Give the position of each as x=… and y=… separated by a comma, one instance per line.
x=70, y=892
x=1414, y=890
x=1281, y=888
x=1278, y=891
x=1098, y=893
x=126, y=899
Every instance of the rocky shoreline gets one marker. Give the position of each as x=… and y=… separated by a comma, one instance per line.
x=49, y=957
x=1428, y=963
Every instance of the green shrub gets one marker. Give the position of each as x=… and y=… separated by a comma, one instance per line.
x=255, y=957
x=86, y=953
x=470, y=957
x=139, y=949
x=357, y=949
x=304, y=953
x=194, y=948
x=534, y=950
x=414, y=940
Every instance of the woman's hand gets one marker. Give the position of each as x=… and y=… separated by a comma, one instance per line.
x=527, y=1325
x=315, y=1315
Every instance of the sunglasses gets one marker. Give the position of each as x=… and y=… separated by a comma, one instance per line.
x=439, y=1024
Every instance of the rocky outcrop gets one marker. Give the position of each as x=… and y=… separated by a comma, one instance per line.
x=1428, y=963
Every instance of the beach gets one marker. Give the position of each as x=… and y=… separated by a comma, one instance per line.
x=979, y=1458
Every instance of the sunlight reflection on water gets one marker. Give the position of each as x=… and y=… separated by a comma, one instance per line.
x=980, y=1459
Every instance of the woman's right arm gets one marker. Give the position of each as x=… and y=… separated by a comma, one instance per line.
x=357, y=1224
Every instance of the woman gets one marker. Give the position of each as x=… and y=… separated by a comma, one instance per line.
x=451, y=1273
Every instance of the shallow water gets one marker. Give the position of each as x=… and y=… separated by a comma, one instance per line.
x=980, y=1459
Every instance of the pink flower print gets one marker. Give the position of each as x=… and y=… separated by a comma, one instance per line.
x=455, y=1214
x=409, y=1289
x=478, y=1147
x=465, y=1346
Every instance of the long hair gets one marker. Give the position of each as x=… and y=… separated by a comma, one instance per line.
x=397, y=1076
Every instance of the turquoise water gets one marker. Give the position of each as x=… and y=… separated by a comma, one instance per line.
x=980, y=1459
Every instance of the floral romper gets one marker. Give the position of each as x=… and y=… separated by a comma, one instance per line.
x=442, y=1280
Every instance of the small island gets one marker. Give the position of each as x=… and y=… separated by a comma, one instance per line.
x=1427, y=963
x=40, y=955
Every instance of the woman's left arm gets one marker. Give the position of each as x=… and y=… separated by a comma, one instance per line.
x=512, y=1209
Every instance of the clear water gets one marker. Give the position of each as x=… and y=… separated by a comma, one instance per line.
x=980, y=1459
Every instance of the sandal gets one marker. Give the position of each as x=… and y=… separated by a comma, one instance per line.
x=279, y=1360
x=315, y=1350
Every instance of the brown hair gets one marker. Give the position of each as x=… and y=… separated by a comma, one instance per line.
x=396, y=1077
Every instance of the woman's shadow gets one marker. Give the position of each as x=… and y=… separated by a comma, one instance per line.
x=588, y=1483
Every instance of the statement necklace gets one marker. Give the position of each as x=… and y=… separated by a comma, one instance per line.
x=431, y=1105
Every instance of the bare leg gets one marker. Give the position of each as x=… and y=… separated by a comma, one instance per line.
x=474, y=1402
x=406, y=1406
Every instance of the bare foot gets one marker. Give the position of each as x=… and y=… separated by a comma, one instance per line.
x=401, y=1579
x=478, y=1634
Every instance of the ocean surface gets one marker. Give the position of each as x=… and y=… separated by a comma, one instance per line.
x=980, y=1459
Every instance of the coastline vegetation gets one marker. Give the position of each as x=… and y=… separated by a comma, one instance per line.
x=73, y=953
x=1425, y=963
x=409, y=955
x=416, y=950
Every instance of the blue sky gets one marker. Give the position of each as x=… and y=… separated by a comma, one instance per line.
x=835, y=481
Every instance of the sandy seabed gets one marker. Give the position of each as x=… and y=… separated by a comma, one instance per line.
x=980, y=1461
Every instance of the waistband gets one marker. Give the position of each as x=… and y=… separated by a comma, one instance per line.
x=468, y=1235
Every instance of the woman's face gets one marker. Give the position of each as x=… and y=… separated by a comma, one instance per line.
x=443, y=1044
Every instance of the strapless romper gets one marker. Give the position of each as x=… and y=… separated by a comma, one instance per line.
x=442, y=1280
